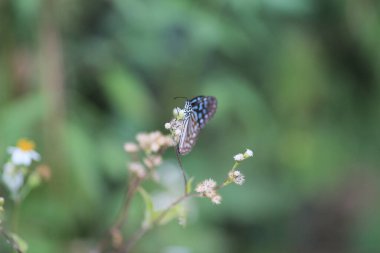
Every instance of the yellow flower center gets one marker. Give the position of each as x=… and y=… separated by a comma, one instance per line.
x=25, y=145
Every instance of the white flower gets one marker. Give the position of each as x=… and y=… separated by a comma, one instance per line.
x=131, y=147
x=175, y=127
x=248, y=153
x=239, y=157
x=23, y=153
x=178, y=113
x=208, y=189
x=178, y=132
x=237, y=177
x=13, y=178
x=154, y=141
x=216, y=199
x=206, y=186
x=137, y=168
x=152, y=161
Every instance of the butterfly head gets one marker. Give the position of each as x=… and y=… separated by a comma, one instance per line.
x=188, y=109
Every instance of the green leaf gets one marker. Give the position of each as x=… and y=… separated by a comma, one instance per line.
x=34, y=180
x=149, y=212
x=174, y=212
x=23, y=246
x=128, y=95
x=189, y=185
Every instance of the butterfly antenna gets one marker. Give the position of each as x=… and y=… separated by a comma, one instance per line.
x=183, y=171
x=180, y=97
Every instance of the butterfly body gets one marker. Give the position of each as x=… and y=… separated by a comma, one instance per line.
x=198, y=111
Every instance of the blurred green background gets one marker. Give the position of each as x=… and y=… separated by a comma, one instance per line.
x=297, y=81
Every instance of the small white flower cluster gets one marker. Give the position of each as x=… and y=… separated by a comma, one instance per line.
x=236, y=176
x=240, y=157
x=207, y=189
x=153, y=144
x=137, y=168
x=152, y=161
x=131, y=147
x=15, y=171
x=176, y=124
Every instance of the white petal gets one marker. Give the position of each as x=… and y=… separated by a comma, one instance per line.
x=20, y=157
x=239, y=157
x=12, y=179
x=248, y=153
x=34, y=155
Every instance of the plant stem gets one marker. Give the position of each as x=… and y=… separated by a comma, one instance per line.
x=145, y=228
x=123, y=214
x=10, y=239
x=15, y=216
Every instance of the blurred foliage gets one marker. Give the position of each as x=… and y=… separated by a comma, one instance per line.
x=296, y=80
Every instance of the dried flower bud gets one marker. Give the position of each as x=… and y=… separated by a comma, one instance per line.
x=209, y=193
x=44, y=171
x=131, y=147
x=205, y=186
x=176, y=126
x=137, y=169
x=207, y=189
x=152, y=161
x=154, y=141
x=237, y=177
x=217, y=199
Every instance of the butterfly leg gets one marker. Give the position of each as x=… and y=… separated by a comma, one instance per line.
x=183, y=170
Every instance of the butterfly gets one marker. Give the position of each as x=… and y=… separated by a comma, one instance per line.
x=198, y=111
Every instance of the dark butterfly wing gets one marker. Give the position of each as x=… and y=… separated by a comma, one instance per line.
x=204, y=108
x=189, y=135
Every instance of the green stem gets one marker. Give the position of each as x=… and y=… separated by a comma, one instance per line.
x=16, y=216
x=145, y=228
x=235, y=166
x=10, y=239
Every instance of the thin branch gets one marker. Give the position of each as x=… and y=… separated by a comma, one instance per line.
x=144, y=229
x=10, y=239
x=123, y=214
